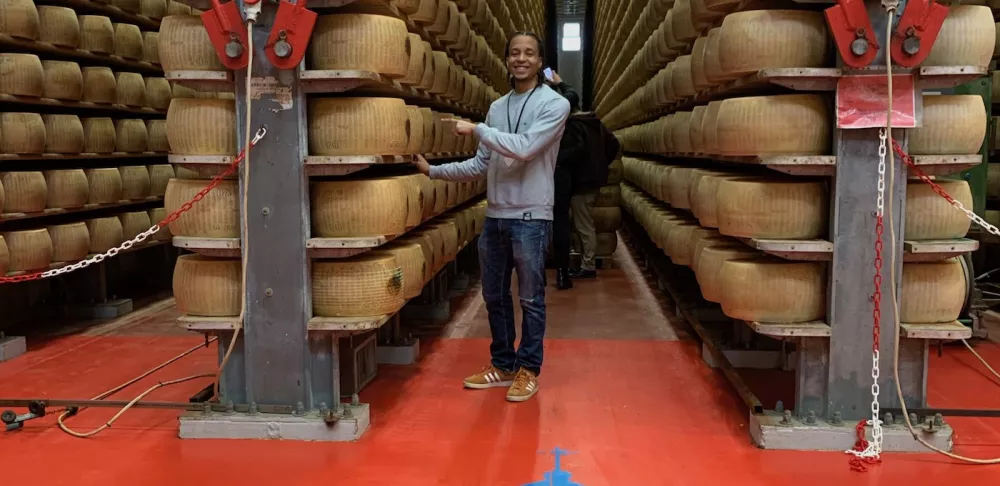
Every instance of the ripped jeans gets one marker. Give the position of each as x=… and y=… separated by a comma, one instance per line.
x=506, y=245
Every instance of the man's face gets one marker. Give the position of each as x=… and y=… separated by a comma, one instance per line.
x=524, y=60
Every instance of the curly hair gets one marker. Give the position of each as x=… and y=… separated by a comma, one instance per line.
x=541, y=54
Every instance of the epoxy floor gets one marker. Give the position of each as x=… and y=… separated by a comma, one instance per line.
x=622, y=390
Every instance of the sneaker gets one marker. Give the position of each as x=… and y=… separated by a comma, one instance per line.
x=491, y=376
x=525, y=386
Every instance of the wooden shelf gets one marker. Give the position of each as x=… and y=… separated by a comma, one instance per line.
x=344, y=247
x=84, y=106
x=825, y=165
x=48, y=51
x=943, y=330
x=54, y=265
x=822, y=250
x=116, y=14
x=348, y=324
x=83, y=156
x=939, y=330
x=937, y=250
x=791, y=329
x=8, y=217
x=316, y=165
x=805, y=79
x=210, y=247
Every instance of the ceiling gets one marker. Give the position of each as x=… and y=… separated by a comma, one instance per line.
x=570, y=7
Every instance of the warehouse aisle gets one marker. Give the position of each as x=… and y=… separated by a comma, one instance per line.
x=633, y=407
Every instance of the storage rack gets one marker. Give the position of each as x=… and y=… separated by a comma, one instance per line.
x=286, y=357
x=90, y=298
x=832, y=370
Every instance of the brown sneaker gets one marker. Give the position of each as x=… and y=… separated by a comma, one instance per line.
x=524, y=387
x=488, y=378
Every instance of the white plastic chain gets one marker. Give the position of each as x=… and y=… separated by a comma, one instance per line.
x=103, y=256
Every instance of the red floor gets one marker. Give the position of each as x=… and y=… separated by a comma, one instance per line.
x=634, y=408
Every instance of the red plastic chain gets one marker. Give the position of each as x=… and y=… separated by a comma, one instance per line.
x=857, y=463
x=921, y=174
x=162, y=224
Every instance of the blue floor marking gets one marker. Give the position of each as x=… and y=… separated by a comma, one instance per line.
x=556, y=477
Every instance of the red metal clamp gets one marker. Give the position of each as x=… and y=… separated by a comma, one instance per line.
x=852, y=32
x=916, y=31
x=289, y=38
x=224, y=24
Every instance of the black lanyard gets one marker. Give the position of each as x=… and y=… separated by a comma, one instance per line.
x=522, y=110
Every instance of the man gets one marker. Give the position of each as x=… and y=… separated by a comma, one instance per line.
x=586, y=151
x=518, y=145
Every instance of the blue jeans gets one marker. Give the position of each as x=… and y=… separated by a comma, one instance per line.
x=505, y=245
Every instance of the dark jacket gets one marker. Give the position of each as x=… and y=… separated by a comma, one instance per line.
x=587, y=147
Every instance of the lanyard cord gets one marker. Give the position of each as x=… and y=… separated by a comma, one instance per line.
x=525, y=105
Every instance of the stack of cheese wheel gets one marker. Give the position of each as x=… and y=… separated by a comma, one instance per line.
x=208, y=287
x=183, y=45
x=70, y=242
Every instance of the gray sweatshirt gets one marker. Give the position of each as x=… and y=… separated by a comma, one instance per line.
x=518, y=166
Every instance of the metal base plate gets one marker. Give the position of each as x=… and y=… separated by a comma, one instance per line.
x=745, y=358
x=767, y=432
x=103, y=310
x=311, y=427
x=403, y=354
x=12, y=347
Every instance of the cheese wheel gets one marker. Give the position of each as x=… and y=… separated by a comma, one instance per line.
x=63, y=80
x=710, y=264
x=30, y=250
x=704, y=197
x=677, y=241
x=156, y=216
x=133, y=223
x=131, y=135
x=157, y=140
x=22, y=133
x=154, y=9
x=217, y=215
x=412, y=262
x=208, y=287
x=135, y=182
x=765, y=290
x=24, y=192
x=709, y=138
x=360, y=41
x=449, y=235
x=415, y=130
x=99, y=135
x=70, y=242
x=202, y=126
x=682, y=80
x=184, y=45
x=175, y=7
x=58, y=26
x=773, y=125
x=993, y=180
x=21, y=75
x=760, y=39
x=4, y=256
x=755, y=208
x=367, y=285
x=151, y=47
x=63, y=134
x=99, y=85
x=159, y=177
x=128, y=41
x=66, y=189
x=357, y=208
x=105, y=185
x=952, y=125
x=606, y=219
x=357, y=126
x=967, y=38
x=131, y=6
x=97, y=34
x=932, y=292
x=105, y=233
x=19, y=19
x=130, y=89
x=680, y=132
x=931, y=217
x=715, y=241
x=695, y=135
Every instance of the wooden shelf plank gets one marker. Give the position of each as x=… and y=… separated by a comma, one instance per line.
x=939, y=330
x=45, y=50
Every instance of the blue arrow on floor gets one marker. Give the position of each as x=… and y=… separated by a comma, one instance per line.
x=556, y=477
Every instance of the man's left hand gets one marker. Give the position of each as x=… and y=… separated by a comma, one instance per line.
x=462, y=127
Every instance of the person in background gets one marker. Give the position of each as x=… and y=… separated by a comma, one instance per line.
x=586, y=151
x=571, y=150
x=518, y=145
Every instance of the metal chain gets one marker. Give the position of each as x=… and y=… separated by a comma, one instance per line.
x=982, y=223
x=870, y=451
x=145, y=234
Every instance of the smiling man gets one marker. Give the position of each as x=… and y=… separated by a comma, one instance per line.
x=518, y=146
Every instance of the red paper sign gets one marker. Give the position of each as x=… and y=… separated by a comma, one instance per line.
x=863, y=101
